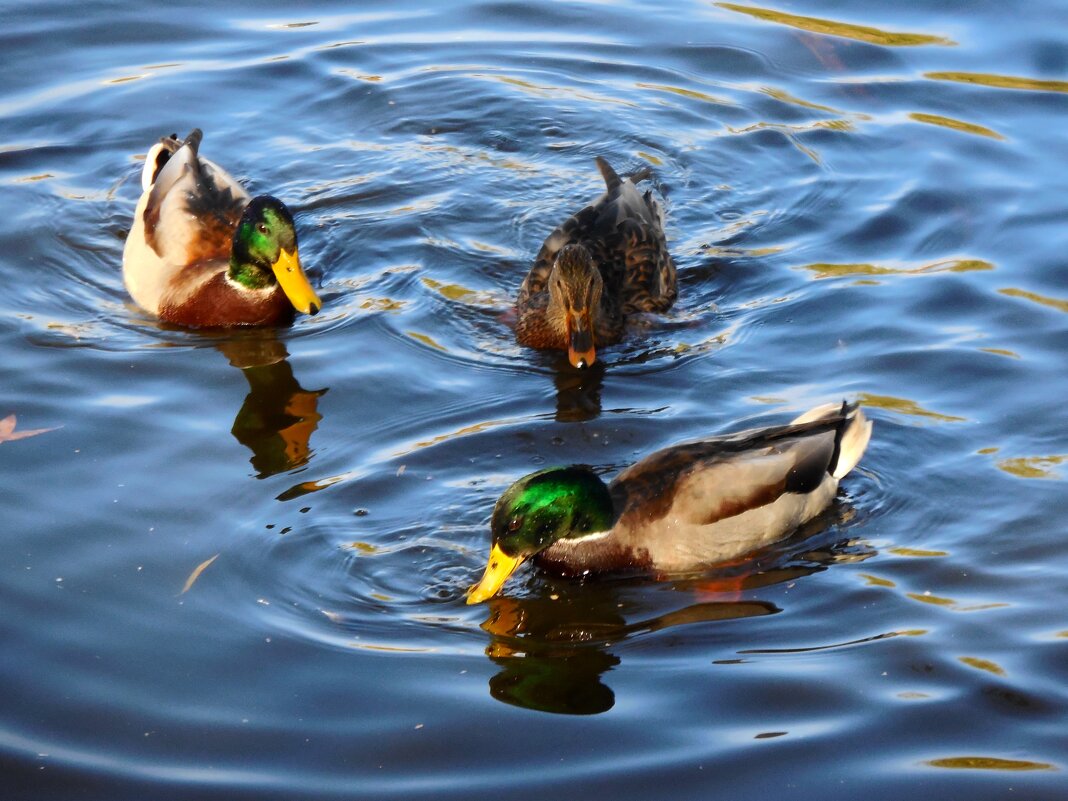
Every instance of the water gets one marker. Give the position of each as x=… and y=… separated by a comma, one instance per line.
x=854, y=212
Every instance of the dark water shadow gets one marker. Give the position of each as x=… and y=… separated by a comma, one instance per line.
x=279, y=416
x=578, y=392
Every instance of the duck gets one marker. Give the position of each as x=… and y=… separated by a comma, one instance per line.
x=600, y=265
x=203, y=253
x=684, y=508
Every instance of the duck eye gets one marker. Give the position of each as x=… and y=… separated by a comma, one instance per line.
x=515, y=523
x=261, y=227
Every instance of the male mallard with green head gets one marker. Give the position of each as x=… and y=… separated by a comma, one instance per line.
x=680, y=509
x=607, y=261
x=201, y=252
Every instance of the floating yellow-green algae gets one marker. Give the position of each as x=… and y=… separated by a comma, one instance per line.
x=905, y=406
x=1000, y=81
x=1033, y=466
x=956, y=125
x=983, y=664
x=1034, y=297
x=830, y=270
x=861, y=33
x=917, y=552
x=426, y=339
x=690, y=93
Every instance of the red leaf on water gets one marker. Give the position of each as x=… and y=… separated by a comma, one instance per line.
x=8, y=433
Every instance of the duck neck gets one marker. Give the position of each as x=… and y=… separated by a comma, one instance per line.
x=244, y=272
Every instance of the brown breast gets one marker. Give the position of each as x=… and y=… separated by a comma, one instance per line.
x=218, y=303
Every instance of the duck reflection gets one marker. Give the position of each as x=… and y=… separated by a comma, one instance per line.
x=578, y=392
x=553, y=653
x=278, y=417
x=554, y=649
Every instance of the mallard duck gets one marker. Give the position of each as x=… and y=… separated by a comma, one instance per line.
x=607, y=261
x=680, y=509
x=201, y=252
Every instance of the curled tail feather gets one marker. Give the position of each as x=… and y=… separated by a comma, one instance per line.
x=612, y=181
x=853, y=436
x=852, y=442
x=611, y=177
x=158, y=155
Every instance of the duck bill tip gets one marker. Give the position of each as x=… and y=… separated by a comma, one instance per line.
x=295, y=284
x=581, y=360
x=581, y=350
x=499, y=568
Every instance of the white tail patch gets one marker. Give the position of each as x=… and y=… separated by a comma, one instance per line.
x=854, y=441
x=149, y=170
x=854, y=438
x=819, y=413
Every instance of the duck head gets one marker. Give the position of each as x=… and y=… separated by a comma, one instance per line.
x=265, y=253
x=575, y=287
x=535, y=512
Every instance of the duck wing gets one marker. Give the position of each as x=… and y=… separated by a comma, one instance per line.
x=193, y=205
x=703, y=483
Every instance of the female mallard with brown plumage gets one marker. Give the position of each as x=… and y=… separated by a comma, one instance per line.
x=680, y=509
x=201, y=252
x=607, y=261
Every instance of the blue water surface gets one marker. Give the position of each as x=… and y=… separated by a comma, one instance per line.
x=234, y=565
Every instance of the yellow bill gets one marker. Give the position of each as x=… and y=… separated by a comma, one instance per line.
x=295, y=283
x=498, y=569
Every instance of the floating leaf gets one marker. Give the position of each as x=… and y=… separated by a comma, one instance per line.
x=363, y=547
x=189, y=582
x=8, y=433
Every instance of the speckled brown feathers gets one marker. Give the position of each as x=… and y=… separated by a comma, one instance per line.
x=623, y=233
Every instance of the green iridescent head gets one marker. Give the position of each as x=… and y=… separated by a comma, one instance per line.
x=553, y=504
x=265, y=253
x=538, y=510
